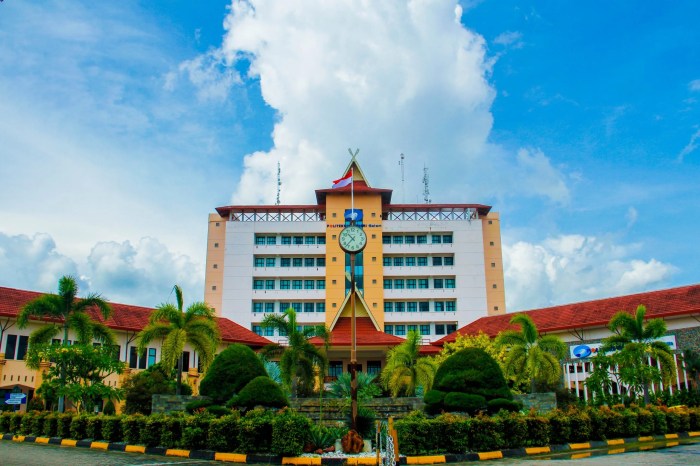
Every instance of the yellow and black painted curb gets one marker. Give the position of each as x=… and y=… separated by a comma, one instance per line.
x=577, y=450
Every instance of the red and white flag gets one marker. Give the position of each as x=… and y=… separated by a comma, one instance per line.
x=344, y=181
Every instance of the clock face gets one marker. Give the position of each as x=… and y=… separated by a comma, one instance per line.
x=352, y=239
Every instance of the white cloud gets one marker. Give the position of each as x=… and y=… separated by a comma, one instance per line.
x=572, y=268
x=512, y=39
x=690, y=147
x=631, y=216
x=694, y=85
x=387, y=77
x=209, y=74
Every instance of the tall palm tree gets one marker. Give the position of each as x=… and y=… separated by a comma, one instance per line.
x=70, y=313
x=406, y=369
x=635, y=343
x=300, y=360
x=196, y=326
x=531, y=355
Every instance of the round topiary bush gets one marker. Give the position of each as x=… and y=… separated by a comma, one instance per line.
x=470, y=371
x=261, y=391
x=498, y=404
x=230, y=371
x=464, y=402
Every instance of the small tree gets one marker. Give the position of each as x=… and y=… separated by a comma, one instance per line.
x=634, y=344
x=406, y=369
x=529, y=355
x=140, y=387
x=231, y=370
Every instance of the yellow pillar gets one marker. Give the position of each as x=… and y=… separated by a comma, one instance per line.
x=193, y=379
x=2, y=364
x=41, y=373
x=119, y=407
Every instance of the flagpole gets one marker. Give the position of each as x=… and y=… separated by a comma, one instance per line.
x=352, y=192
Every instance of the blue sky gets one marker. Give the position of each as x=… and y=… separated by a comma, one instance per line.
x=125, y=124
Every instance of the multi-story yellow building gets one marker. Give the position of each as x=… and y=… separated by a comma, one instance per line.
x=431, y=268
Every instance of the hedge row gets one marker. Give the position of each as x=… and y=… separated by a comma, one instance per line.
x=259, y=431
x=450, y=433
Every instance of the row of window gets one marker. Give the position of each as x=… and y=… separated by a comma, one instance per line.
x=419, y=283
x=335, y=368
x=261, y=240
x=260, y=284
x=289, y=261
x=419, y=306
x=270, y=306
x=270, y=331
x=422, y=329
x=148, y=358
x=16, y=346
x=400, y=261
x=417, y=239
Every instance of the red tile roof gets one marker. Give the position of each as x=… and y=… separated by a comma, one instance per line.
x=662, y=304
x=367, y=335
x=128, y=318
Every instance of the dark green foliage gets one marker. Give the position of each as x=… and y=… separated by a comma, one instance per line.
x=197, y=406
x=109, y=409
x=223, y=433
x=261, y=391
x=64, y=423
x=470, y=371
x=645, y=422
x=231, y=370
x=415, y=434
x=498, y=404
x=598, y=424
x=452, y=432
x=433, y=401
x=538, y=431
x=513, y=427
x=78, y=427
x=16, y=422
x=132, y=427
x=580, y=425
x=673, y=420
x=4, y=423
x=38, y=423
x=660, y=426
x=140, y=388
x=112, y=428
x=484, y=434
x=35, y=404
x=152, y=430
x=694, y=419
x=290, y=432
x=171, y=435
x=50, y=425
x=684, y=421
x=26, y=424
x=218, y=411
x=464, y=403
x=321, y=436
x=255, y=434
x=94, y=428
x=365, y=421
x=195, y=432
x=560, y=427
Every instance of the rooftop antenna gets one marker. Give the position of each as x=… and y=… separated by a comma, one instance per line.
x=403, y=191
x=279, y=183
x=426, y=185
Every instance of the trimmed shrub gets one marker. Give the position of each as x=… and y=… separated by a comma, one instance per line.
x=218, y=411
x=37, y=428
x=195, y=431
x=112, y=428
x=78, y=427
x=673, y=420
x=684, y=420
x=132, y=427
x=50, y=425
x=580, y=425
x=171, y=434
x=694, y=419
x=198, y=406
x=25, y=427
x=660, y=426
x=223, y=433
x=16, y=423
x=598, y=425
x=560, y=427
x=433, y=401
x=484, y=434
x=140, y=387
x=513, y=426
x=152, y=430
x=35, y=404
x=290, y=431
x=464, y=402
x=645, y=422
x=498, y=404
x=230, y=371
x=415, y=433
x=538, y=431
x=452, y=433
x=63, y=428
x=261, y=391
x=5, y=423
x=109, y=409
x=255, y=431
x=94, y=428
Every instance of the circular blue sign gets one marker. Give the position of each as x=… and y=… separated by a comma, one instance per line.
x=582, y=351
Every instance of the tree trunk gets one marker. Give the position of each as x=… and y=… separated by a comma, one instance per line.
x=178, y=389
x=646, y=394
x=62, y=398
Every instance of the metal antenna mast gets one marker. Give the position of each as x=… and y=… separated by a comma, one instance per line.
x=426, y=185
x=279, y=183
x=403, y=189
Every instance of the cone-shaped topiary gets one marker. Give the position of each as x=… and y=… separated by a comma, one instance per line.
x=469, y=371
x=261, y=391
x=231, y=370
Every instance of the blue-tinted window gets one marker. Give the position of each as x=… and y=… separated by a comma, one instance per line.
x=388, y=306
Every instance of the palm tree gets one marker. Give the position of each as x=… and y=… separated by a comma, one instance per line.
x=406, y=370
x=531, y=355
x=196, y=326
x=635, y=343
x=70, y=312
x=299, y=359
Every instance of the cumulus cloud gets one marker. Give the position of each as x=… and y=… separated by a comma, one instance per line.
x=142, y=273
x=388, y=77
x=572, y=268
x=210, y=75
